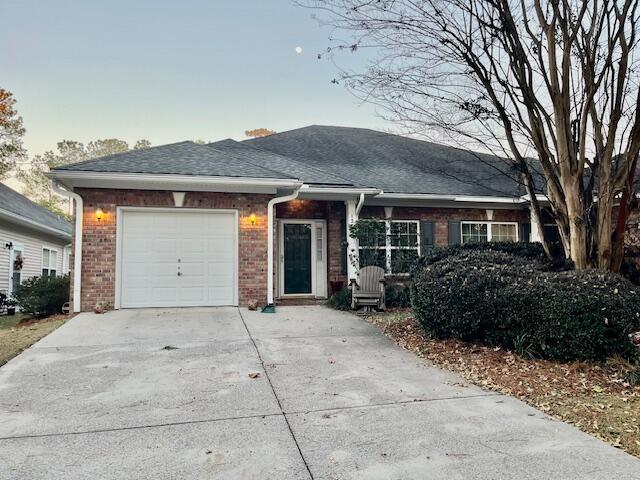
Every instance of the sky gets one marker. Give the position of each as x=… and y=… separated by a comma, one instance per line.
x=169, y=70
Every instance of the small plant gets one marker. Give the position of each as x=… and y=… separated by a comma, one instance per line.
x=340, y=300
x=633, y=377
x=523, y=347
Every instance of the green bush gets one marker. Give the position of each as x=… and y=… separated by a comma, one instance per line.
x=340, y=300
x=523, y=302
x=397, y=295
x=42, y=296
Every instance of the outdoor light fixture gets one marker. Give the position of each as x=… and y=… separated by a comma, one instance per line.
x=99, y=214
x=8, y=245
x=252, y=218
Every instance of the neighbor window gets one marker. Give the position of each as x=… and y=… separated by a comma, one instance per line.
x=394, y=246
x=480, y=232
x=49, y=262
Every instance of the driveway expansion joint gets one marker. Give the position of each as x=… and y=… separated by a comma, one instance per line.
x=266, y=374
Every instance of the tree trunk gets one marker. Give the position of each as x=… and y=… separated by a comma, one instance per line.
x=603, y=232
x=577, y=228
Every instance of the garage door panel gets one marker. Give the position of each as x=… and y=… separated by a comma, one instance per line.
x=157, y=245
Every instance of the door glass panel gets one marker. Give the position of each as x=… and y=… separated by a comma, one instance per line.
x=15, y=280
x=297, y=257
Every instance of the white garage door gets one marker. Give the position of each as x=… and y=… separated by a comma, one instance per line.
x=178, y=258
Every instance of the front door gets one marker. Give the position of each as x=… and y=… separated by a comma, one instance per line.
x=297, y=258
x=302, y=257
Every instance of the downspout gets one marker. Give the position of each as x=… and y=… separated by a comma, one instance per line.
x=359, y=205
x=271, y=204
x=77, y=253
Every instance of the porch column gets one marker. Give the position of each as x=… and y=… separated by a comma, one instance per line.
x=536, y=234
x=352, y=243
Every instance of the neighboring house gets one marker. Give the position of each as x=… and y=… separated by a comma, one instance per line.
x=231, y=222
x=33, y=240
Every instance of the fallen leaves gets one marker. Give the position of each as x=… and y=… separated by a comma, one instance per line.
x=594, y=397
x=254, y=375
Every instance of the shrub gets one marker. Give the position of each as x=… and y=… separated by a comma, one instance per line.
x=397, y=295
x=522, y=302
x=340, y=300
x=42, y=296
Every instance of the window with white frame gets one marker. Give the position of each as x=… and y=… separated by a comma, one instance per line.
x=481, y=232
x=49, y=262
x=394, y=245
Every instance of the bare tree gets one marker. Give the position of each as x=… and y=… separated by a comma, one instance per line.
x=550, y=85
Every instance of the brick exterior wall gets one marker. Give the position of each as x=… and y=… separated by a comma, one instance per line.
x=441, y=217
x=99, y=238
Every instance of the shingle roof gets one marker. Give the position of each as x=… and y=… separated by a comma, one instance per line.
x=394, y=163
x=273, y=161
x=183, y=158
x=325, y=155
x=14, y=203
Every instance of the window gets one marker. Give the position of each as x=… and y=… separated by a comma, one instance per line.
x=481, y=232
x=394, y=245
x=49, y=262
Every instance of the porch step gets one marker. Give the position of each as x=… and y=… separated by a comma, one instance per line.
x=300, y=301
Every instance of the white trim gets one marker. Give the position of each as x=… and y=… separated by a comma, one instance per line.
x=314, y=260
x=454, y=198
x=12, y=257
x=51, y=249
x=171, y=182
x=121, y=209
x=489, y=230
x=77, y=243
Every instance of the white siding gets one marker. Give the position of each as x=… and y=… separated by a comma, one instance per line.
x=32, y=244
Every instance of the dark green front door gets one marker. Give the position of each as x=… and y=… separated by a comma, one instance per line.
x=297, y=257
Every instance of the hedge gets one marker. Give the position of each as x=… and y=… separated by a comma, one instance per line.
x=514, y=298
x=42, y=296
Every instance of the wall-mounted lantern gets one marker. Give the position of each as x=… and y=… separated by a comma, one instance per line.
x=99, y=214
x=253, y=219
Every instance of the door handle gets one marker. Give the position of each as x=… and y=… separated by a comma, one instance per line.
x=179, y=274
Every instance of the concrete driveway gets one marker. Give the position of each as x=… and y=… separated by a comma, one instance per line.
x=166, y=394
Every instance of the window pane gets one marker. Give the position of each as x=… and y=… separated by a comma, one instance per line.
x=501, y=232
x=45, y=257
x=52, y=273
x=45, y=272
x=15, y=281
x=474, y=232
x=402, y=260
x=404, y=234
x=53, y=257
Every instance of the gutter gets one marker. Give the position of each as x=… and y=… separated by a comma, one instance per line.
x=452, y=198
x=67, y=175
x=77, y=253
x=270, y=308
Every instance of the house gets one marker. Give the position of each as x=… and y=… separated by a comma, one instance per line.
x=33, y=240
x=231, y=222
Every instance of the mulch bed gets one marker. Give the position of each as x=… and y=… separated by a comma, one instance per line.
x=594, y=397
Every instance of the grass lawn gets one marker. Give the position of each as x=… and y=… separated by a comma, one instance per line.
x=594, y=397
x=19, y=331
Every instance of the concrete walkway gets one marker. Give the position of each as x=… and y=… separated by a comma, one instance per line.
x=166, y=394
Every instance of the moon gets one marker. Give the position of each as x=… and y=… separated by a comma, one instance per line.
x=298, y=50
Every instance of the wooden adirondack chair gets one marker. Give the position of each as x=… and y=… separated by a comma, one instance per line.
x=369, y=292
